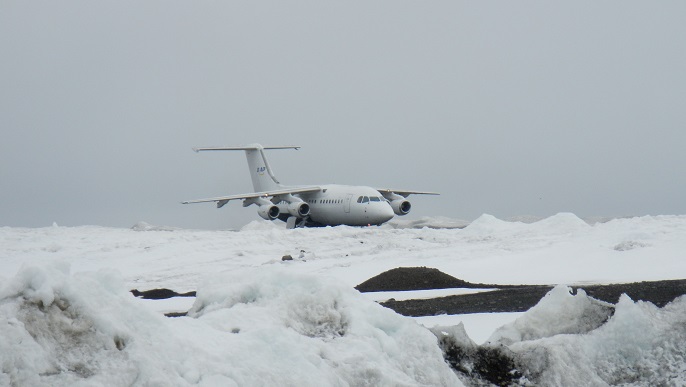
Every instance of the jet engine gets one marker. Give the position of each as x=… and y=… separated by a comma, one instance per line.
x=268, y=211
x=289, y=204
x=401, y=206
x=299, y=209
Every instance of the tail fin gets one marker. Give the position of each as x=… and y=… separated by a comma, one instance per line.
x=262, y=176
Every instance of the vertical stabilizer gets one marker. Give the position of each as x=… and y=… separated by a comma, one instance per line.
x=261, y=173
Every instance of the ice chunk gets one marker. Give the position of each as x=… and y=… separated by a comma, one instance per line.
x=559, y=312
x=640, y=345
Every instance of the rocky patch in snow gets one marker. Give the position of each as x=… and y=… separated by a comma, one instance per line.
x=508, y=298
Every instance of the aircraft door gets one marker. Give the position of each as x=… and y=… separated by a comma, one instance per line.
x=346, y=205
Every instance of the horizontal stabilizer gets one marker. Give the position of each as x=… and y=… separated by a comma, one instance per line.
x=247, y=147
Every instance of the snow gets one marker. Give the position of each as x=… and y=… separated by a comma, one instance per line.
x=248, y=327
x=559, y=312
x=639, y=344
x=67, y=318
x=436, y=222
x=168, y=305
x=479, y=326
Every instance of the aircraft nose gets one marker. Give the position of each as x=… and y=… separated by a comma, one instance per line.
x=385, y=213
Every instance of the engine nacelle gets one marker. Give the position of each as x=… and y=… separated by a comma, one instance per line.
x=401, y=206
x=298, y=209
x=268, y=211
x=292, y=205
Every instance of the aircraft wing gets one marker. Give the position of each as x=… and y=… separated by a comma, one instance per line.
x=405, y=193
x=221, y=200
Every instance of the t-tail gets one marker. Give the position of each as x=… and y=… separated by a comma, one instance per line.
x=261, y=173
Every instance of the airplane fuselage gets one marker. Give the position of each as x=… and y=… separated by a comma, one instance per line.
x=347, y=205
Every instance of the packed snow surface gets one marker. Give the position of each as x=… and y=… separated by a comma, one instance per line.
x=561, y=249
x=67, y=318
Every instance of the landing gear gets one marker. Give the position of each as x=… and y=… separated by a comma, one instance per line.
x=303, y=222
x=294, y=222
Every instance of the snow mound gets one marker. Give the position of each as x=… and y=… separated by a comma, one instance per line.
x=574, y=340
x=562, y=222
x=640, y=345
x=144, y=226
x=489, y=224
x=320, y=330
x=59, y=330
x=434, y=222
x=261, y=225
x=558, y=312
x=250, y=328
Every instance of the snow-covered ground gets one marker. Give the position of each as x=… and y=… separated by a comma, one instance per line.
x=66, y=316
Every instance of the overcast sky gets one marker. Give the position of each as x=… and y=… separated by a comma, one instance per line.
x=506, y=108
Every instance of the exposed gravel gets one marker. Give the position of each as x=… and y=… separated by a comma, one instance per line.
x=508, y=298
x=159, y=294
x=415, y=278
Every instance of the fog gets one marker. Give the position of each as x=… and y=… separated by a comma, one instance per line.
x=504, y=108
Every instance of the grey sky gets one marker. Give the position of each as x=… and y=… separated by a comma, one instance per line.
x=507, y=108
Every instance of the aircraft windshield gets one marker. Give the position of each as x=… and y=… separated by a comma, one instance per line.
x=367, y=199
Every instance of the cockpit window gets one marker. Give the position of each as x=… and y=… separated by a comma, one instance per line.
x=365, y=199
x=359, y=200
x=375, y=199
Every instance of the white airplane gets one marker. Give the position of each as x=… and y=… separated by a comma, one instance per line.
x=312, y=206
